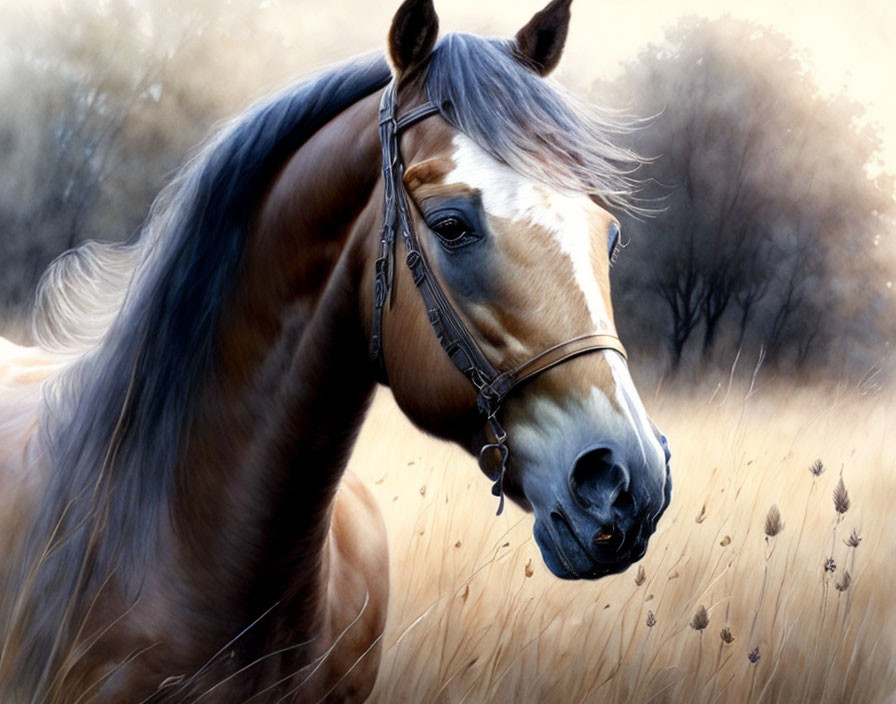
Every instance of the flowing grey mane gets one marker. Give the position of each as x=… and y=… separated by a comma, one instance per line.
x=139, y=354
x=533, y=125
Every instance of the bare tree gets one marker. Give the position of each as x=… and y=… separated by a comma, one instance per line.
x=101, y=105
x=760, y=187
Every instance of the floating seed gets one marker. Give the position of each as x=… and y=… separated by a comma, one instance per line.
x=854, y=539
x=843, y=584
x=641, y=576
x=701, y=619
x=841, y=498
x=773, y=522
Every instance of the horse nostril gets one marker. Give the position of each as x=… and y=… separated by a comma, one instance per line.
x=624, y=503
x=598, y=480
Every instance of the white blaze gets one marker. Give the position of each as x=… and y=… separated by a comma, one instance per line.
x=569, y=219
x=508, y=195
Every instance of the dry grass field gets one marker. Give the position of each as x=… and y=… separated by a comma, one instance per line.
x=476, y=617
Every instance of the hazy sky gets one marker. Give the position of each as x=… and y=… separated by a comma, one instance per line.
x=848, y=44
x=851, y=45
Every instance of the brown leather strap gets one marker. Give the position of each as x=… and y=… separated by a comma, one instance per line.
x=504, y=383
x=561, y=352
x=420, y=112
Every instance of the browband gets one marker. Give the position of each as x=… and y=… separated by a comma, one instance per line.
x=418, y=113
x=492, y=386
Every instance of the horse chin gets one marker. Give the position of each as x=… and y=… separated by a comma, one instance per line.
x=566, y=559
x=567, y=555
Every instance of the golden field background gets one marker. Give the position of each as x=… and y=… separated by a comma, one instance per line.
x=475, y=615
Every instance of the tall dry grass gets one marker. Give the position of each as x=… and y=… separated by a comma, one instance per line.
x=475, y=616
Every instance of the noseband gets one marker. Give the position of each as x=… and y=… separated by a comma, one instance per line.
x=492, y=386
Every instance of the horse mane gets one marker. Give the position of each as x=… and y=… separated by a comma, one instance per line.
x=136, y=324
x=533, y=125
x=84, y=289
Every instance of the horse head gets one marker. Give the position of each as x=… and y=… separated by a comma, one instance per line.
x=497, y=186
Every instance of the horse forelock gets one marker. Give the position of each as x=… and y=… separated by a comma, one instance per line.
x=533, y=125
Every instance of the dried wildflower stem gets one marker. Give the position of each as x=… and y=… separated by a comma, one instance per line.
x=755, y=669
x=775, y=668
x=601, y=656
x=768, y=554
x=799, y=537
x=851, y=568
x=837, y=520
x=699, y=658
x=825, y=585
x=845, y=579
x=714, y=676
x=663, y=646
x=644, y=648
x=840, y=638
x=718, y=664
x=724, y=687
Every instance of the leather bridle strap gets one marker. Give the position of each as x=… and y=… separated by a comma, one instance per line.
x=493, y=395
x=395, y=206
x=491, y=385
x=451, y=331
x=413, y=116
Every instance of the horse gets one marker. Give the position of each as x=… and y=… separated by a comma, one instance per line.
x=177, y=523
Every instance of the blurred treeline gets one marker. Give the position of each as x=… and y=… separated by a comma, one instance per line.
x=771, y=241
x=101, y=102
x=769, y=211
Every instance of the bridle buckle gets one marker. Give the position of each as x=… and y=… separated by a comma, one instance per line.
x=495, y=472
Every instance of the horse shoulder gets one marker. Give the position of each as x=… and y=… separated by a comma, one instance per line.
x=357, y=592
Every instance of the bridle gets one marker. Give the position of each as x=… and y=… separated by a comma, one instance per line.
x=492, y=386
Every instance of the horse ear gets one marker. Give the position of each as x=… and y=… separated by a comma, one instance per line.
x=413, y=34
x=540, y=43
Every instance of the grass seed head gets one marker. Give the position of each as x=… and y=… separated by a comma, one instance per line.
x=641, y=576
x=754, y=655
x=651, y=619
x=701, y=619
x=841, y=498
x=817, y=468
x=843, y=584
x=854, y=539
x=773, y=522
x=830, y=565
x=726, y=636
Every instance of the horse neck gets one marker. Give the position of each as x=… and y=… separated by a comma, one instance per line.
x=292, y=382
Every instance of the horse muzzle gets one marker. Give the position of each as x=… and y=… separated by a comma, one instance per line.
x=599, y=521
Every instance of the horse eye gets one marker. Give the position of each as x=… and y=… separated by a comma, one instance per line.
x=451, y=229
x=613, y=246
